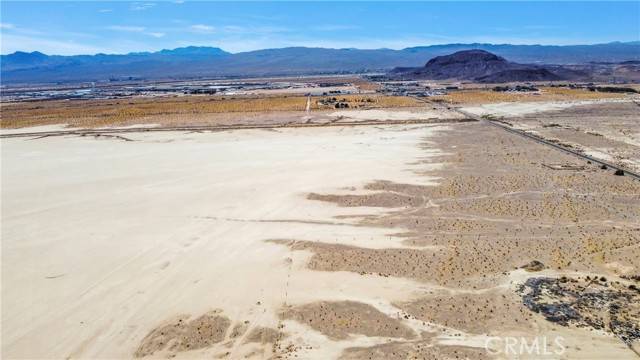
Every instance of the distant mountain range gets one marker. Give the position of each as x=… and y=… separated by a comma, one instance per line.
x=200, y=62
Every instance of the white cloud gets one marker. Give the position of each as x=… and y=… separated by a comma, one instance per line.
x=156, y=34
x=201, y=28
x=126, y=28
x=105, y=10
x=21, y=30
x=178, y=2
x=141, y=6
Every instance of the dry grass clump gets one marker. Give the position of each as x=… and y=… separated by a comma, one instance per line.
x=366, y=85
x=421, y=349
x=183, y=334
x=338, y=320
x=96, y=113
x=478, y=96
x=121, y=111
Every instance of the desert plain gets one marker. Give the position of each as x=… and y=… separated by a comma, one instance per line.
x=394, y=228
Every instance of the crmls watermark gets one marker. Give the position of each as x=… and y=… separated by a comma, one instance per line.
x=511, y=345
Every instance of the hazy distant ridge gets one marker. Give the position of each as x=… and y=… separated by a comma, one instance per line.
x=210, y=61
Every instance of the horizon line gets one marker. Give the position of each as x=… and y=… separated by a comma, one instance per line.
x=319, y=47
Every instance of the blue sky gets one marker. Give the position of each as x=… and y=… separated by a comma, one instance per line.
x=119, y=27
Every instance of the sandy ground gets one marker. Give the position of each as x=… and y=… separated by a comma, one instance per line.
x=104, y=240
x=344, y=242
x=605, y=129
x=395, y=114
x=493, y=237
x=509, y=109
x=64, y=127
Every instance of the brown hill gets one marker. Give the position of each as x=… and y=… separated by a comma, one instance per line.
x=476, y=65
